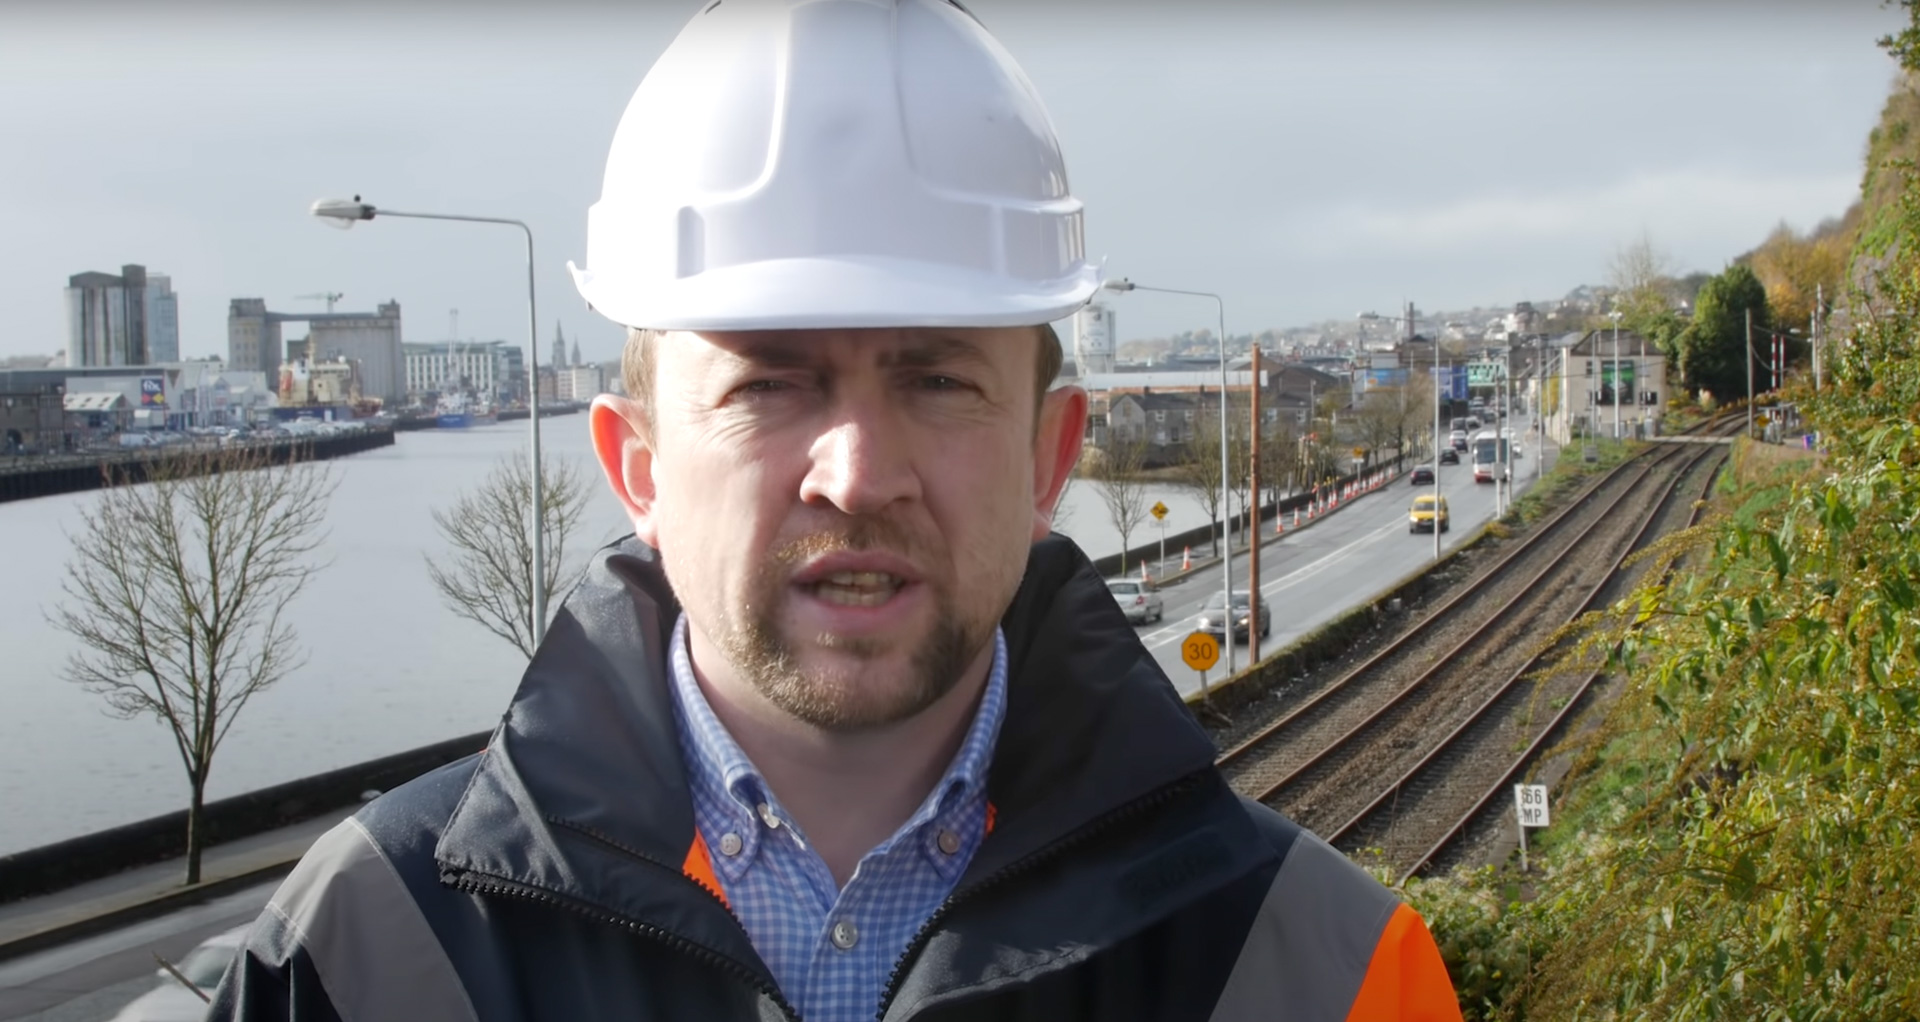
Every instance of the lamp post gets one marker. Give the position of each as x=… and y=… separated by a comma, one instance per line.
x=344, y=213
x=1615, y=316
x=1124, y=285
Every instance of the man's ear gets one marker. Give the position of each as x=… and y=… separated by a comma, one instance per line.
x=1056, y=449
x=624, y=447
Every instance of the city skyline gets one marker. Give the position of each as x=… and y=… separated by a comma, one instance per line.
x=1306, y=163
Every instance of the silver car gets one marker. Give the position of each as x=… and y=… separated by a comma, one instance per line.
x=1213, y=616
x=1138, y=600
x=170, y=1000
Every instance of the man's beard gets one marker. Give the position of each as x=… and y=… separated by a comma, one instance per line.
x=753, y=643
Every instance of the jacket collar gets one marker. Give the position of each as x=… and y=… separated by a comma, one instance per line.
x=583, y=795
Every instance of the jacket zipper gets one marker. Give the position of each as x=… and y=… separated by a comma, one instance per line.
x=1149, y=801
x=495, y=886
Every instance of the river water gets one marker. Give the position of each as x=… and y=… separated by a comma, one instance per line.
x=388, y=667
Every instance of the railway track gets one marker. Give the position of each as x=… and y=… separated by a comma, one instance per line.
x=1488, y=810
x=1350, y=761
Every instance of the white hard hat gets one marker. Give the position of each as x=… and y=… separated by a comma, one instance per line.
x=792, y=164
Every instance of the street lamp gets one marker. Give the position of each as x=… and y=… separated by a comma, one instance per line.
x=1124, y=285
x=344, y=213
x=1615, y=316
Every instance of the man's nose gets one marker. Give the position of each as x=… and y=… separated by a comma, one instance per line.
x=861, y=463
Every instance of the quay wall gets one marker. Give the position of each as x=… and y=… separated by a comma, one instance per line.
x=26, y=478
x=103, y=853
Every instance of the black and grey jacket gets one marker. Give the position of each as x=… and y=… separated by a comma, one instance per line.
x=555, y=876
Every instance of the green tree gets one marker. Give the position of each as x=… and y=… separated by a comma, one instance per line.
x=1710, y=347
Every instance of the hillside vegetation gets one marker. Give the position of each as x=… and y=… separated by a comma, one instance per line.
x=1737, y=839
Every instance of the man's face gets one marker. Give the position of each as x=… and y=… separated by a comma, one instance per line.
x=845, y=514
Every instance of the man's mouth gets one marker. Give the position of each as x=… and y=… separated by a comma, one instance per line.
x=857, y=588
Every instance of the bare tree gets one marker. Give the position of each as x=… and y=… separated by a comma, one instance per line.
x=178, y=591
x=1377, y=422
x=1640, y=275
x=489, y=578
x=1388, y=414
x=1279, y=460
x=1122, y=488
x=1062, y=508
x=1240, y=469
x=1199, y=470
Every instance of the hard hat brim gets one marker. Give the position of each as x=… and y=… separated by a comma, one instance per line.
x=818, y=293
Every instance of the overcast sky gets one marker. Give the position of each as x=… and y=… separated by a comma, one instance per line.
x=1306, y=160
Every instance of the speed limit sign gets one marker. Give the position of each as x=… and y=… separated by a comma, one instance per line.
x=1200, y=650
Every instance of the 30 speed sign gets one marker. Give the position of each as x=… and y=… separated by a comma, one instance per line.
x=1200, y=650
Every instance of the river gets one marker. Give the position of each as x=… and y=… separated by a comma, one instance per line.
x=388, y=667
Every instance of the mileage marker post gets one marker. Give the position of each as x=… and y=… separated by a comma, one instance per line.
x=1530, y=808
x=1200, y=651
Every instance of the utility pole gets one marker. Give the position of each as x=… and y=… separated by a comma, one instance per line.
x=1813, y=331
x=1438, y=439
x=1253, y=542
x=1506, y=416
x=1747, y=357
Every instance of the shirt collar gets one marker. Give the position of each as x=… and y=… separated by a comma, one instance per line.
x=728, y=782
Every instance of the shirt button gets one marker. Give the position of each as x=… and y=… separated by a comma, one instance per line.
x=729, y=845
x=845, y=935
x=767, y=817
x=949, y=842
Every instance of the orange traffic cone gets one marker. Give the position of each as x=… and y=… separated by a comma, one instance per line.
x=1278, y=521
x=1296, y=517
x=1186, y=559
x=1143, y=572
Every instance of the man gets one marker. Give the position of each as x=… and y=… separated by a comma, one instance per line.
x=840, y=733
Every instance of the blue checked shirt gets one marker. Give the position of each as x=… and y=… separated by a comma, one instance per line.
x=831, y=950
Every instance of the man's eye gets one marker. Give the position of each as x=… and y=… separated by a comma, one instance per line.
x=765, y=386
x=936, y=381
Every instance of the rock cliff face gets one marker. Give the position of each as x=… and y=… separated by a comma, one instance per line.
x=1893, y=152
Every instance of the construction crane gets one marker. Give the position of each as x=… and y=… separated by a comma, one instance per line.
x=329, y=297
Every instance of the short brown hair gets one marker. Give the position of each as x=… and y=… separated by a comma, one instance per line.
x=636, y=366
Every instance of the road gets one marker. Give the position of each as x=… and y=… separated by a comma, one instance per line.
x=1312, y=576
x=89, y=980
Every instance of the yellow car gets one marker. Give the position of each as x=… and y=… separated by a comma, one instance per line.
x=1420, y=519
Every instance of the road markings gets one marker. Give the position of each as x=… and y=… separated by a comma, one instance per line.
x=1173, y=633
